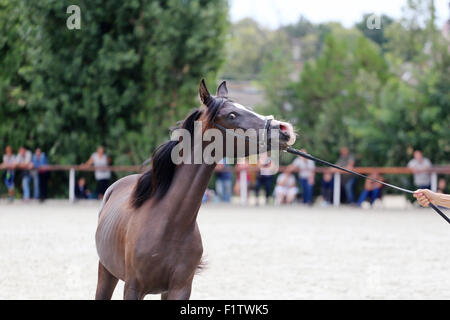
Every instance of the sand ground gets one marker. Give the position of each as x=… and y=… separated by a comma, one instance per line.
x=48, y=252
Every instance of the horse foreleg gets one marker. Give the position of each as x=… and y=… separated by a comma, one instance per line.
x=179, y=293
x=106, y=283
x=131, y=292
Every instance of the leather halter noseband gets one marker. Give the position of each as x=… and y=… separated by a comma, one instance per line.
x=265, y=134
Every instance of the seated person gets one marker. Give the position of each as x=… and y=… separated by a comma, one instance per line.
x=80, y=190
x=286, y=188
x=371, y=188
x=442, y=185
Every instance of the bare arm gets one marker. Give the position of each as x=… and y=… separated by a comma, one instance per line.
x=312, y=174
x=25, y=165
x=425, y=196
x=89, y=162
x=350, y=165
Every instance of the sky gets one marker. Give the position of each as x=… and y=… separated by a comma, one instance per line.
x=273, y=13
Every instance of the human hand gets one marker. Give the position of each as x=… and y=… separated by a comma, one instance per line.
x=424, y=197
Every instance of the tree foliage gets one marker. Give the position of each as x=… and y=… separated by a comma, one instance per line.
x=122, y=80
x=383, y=95
x=250, y=47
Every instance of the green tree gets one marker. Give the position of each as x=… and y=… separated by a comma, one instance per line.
x=245, y=50
x=333, y=91
x=250, y=47
x=122, y=80
x=409, y=117
x=13, y=85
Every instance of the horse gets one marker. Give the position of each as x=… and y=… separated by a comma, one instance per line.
x=147, y=234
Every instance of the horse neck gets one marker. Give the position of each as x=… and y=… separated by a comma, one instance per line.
x=189, y=186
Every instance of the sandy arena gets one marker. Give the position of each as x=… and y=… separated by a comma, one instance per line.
x=48, y=252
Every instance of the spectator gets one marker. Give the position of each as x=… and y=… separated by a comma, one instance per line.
x=224, y=181
x=39, y=174
x=265, y=177
x=371, y=188
x=347, y=161
x=419, y=166
x=306, y=169
x=80, y=190
x=286, y=188
x=24, y=164
x=8, y=164
x=239, y=168
x=327, y=188
x=102, y=176
x=442, y=184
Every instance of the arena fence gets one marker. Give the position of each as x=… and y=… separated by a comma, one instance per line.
x=434, y=172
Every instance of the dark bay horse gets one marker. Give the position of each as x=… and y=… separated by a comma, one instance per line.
x=147, y=233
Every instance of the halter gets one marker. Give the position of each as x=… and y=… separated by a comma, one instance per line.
x=265, y=134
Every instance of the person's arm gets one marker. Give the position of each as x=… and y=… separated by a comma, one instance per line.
x=89, y=162
x=312, y=174
x=26, y=165
x=295, y=165
x=11, y=165
x=425, y=196
x=271, y=165
x=351, y=164
x=29, y=161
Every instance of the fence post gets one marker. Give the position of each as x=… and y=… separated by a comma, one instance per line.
x=72, y=185
x=434, y=181
x=243, y=186
x=337, y=189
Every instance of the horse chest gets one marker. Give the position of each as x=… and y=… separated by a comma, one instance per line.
x=167, y=251
x=167, y=261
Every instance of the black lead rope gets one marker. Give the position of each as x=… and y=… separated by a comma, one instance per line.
x=310, y=157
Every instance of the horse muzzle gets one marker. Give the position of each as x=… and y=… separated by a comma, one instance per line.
x=286, y=134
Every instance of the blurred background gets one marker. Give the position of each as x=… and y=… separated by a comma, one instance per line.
x=373, y=76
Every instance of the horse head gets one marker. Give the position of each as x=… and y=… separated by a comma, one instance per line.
x=241, y=121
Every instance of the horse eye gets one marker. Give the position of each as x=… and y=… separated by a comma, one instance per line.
x=232, y=116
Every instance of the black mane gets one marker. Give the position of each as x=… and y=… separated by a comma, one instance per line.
x=156, y=181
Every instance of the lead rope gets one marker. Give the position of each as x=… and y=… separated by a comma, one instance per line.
x=310, y=157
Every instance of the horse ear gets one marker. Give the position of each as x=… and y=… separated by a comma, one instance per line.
x=222, y=90
x=203, y=92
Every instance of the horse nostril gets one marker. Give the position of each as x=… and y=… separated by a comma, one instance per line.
x=284, y=131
